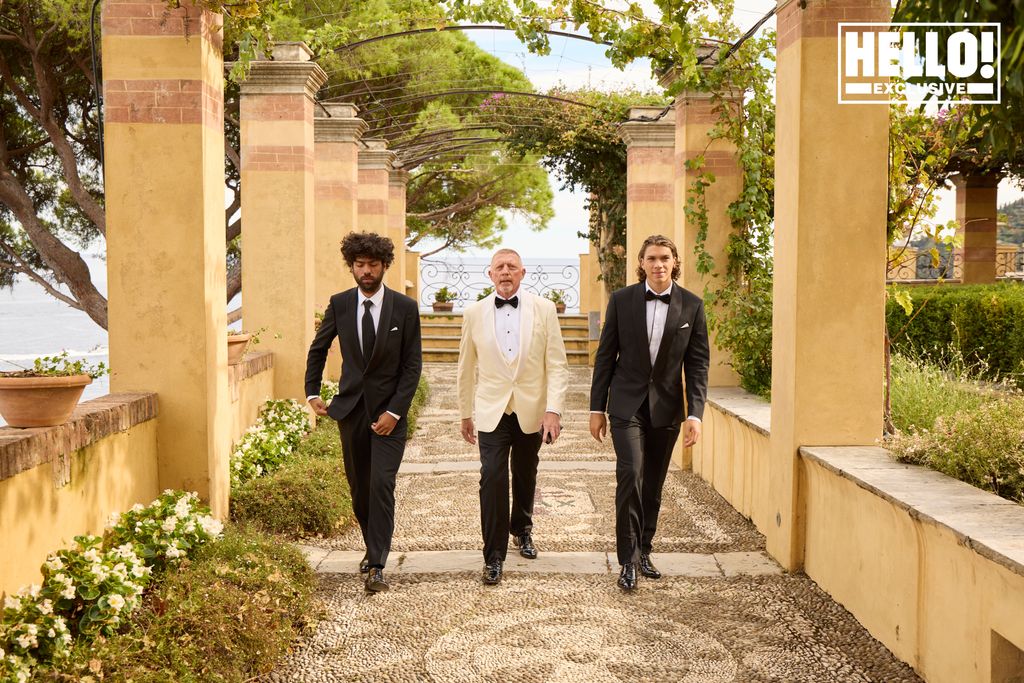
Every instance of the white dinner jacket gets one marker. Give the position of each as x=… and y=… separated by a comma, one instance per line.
x=535, y=381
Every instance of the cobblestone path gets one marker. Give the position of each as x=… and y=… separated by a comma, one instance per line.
x=723, y=611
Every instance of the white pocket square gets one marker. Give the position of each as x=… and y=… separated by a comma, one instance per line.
x=684, y=325
x=394, y=329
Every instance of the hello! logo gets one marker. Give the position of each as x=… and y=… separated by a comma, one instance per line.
x=911, y=63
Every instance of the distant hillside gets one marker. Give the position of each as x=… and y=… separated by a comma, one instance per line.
x=1012, y=232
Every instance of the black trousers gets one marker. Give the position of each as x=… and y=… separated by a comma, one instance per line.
x=642, y=456
x=371, y=465
x=496, y=520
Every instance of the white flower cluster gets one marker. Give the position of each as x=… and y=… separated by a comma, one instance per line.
x=328, y=390
x=99, y=582
x=270, y=441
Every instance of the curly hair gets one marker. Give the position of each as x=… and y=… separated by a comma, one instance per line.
x=657, y=241
x=367, y=245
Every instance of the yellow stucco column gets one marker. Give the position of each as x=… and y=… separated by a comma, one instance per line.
x=164, y=186
x=695, y=118
x=398, y=182
x=336, y=133
x=412, y=275
x=376, y=162
x=650, y=148
x=830, y=207
x=278, y=283
x=976, y=216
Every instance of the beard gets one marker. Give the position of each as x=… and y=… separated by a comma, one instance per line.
x=369, y=284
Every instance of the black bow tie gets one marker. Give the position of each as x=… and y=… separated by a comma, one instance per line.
x=513, y=302
x=663, y=298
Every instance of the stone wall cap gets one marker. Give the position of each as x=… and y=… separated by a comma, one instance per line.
x=751, y=410
x=987, y=524
x=338, y=129
x=660, y=133
x=291, y=51
x=337, y=110
x=283, y=78
x=398, y=175
x=25, y=449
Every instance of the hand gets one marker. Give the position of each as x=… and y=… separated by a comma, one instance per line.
x=318, y=406
x=551, y=426
x=468, y=430
x=384, y=424
x=598, y=426
x=691, y=433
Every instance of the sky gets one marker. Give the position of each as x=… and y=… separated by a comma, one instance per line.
x=577, y=63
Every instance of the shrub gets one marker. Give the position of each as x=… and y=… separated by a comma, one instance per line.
x=226, y=615
x=981, y=322
x=741, y=322
x=308, y=496
x=419, y=400
x=983, y=447
x=266, y=444
x=922, y=391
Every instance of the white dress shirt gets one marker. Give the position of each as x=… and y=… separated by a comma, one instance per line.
x=506, y=327
x=378, y=301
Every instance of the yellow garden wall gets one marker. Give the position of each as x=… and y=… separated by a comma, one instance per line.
x=932, y=567
x=60, y=482
x=252, y=385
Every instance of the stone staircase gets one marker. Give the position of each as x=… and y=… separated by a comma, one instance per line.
x=441, y=332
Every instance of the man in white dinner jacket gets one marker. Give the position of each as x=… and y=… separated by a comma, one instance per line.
x=512, y=378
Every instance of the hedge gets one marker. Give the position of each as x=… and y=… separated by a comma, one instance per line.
x=975, y=322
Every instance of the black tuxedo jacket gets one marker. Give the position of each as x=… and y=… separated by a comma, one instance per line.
x=623, y=361
x=385, y=381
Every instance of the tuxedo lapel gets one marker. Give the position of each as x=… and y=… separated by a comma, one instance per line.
x=639, y=304
x=526, y=314
x=383, y=326
x=347, y=328
x=672, y=318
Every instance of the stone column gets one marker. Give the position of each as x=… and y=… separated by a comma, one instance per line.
x=336, y=133
x=398, y=182
x=830, y=207
x=650, y=148
x=278, y=284
x=376, y=162
x=976, y=215
x=412, y=274
x=164, y=186
x=695, y=118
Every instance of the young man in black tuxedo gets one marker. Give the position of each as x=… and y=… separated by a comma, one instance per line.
x=381, y=361
x=654, y=334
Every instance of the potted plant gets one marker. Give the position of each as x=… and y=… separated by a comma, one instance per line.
x=45, y=395
x=557, y=297
x=444, y=300
x=239, y=341
x=484, y=293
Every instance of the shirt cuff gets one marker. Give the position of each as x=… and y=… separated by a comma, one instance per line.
x=597, y=412
x=310, y=398
x=694, y=417
x=397, y=417
x=552, y=410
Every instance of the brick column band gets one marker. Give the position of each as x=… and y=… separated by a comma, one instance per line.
x=164, y=186
x=830, y=207
x=278, y=281
x=376, y=162
x=650, y=148
x=336, y=132
x=398, y=183
x=976, y=215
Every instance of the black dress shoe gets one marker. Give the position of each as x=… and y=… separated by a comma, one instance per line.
x=525, y=544
x=647, y=567
x=364, y=565
x=375, y=582
x=627, y=577
x=492, y=573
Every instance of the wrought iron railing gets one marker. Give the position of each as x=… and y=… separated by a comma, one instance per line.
x=467, y=278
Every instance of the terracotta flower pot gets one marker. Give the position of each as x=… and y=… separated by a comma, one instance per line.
x=443, y=306
x=559, y=308
x=237, y=344
x=40, y=401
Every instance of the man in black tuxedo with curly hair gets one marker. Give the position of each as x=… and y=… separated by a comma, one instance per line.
x=381, y=362
x=654, y=335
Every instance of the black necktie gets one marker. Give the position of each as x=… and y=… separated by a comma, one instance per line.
x=369, y=335
x=513, y=302
x=663, y=298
